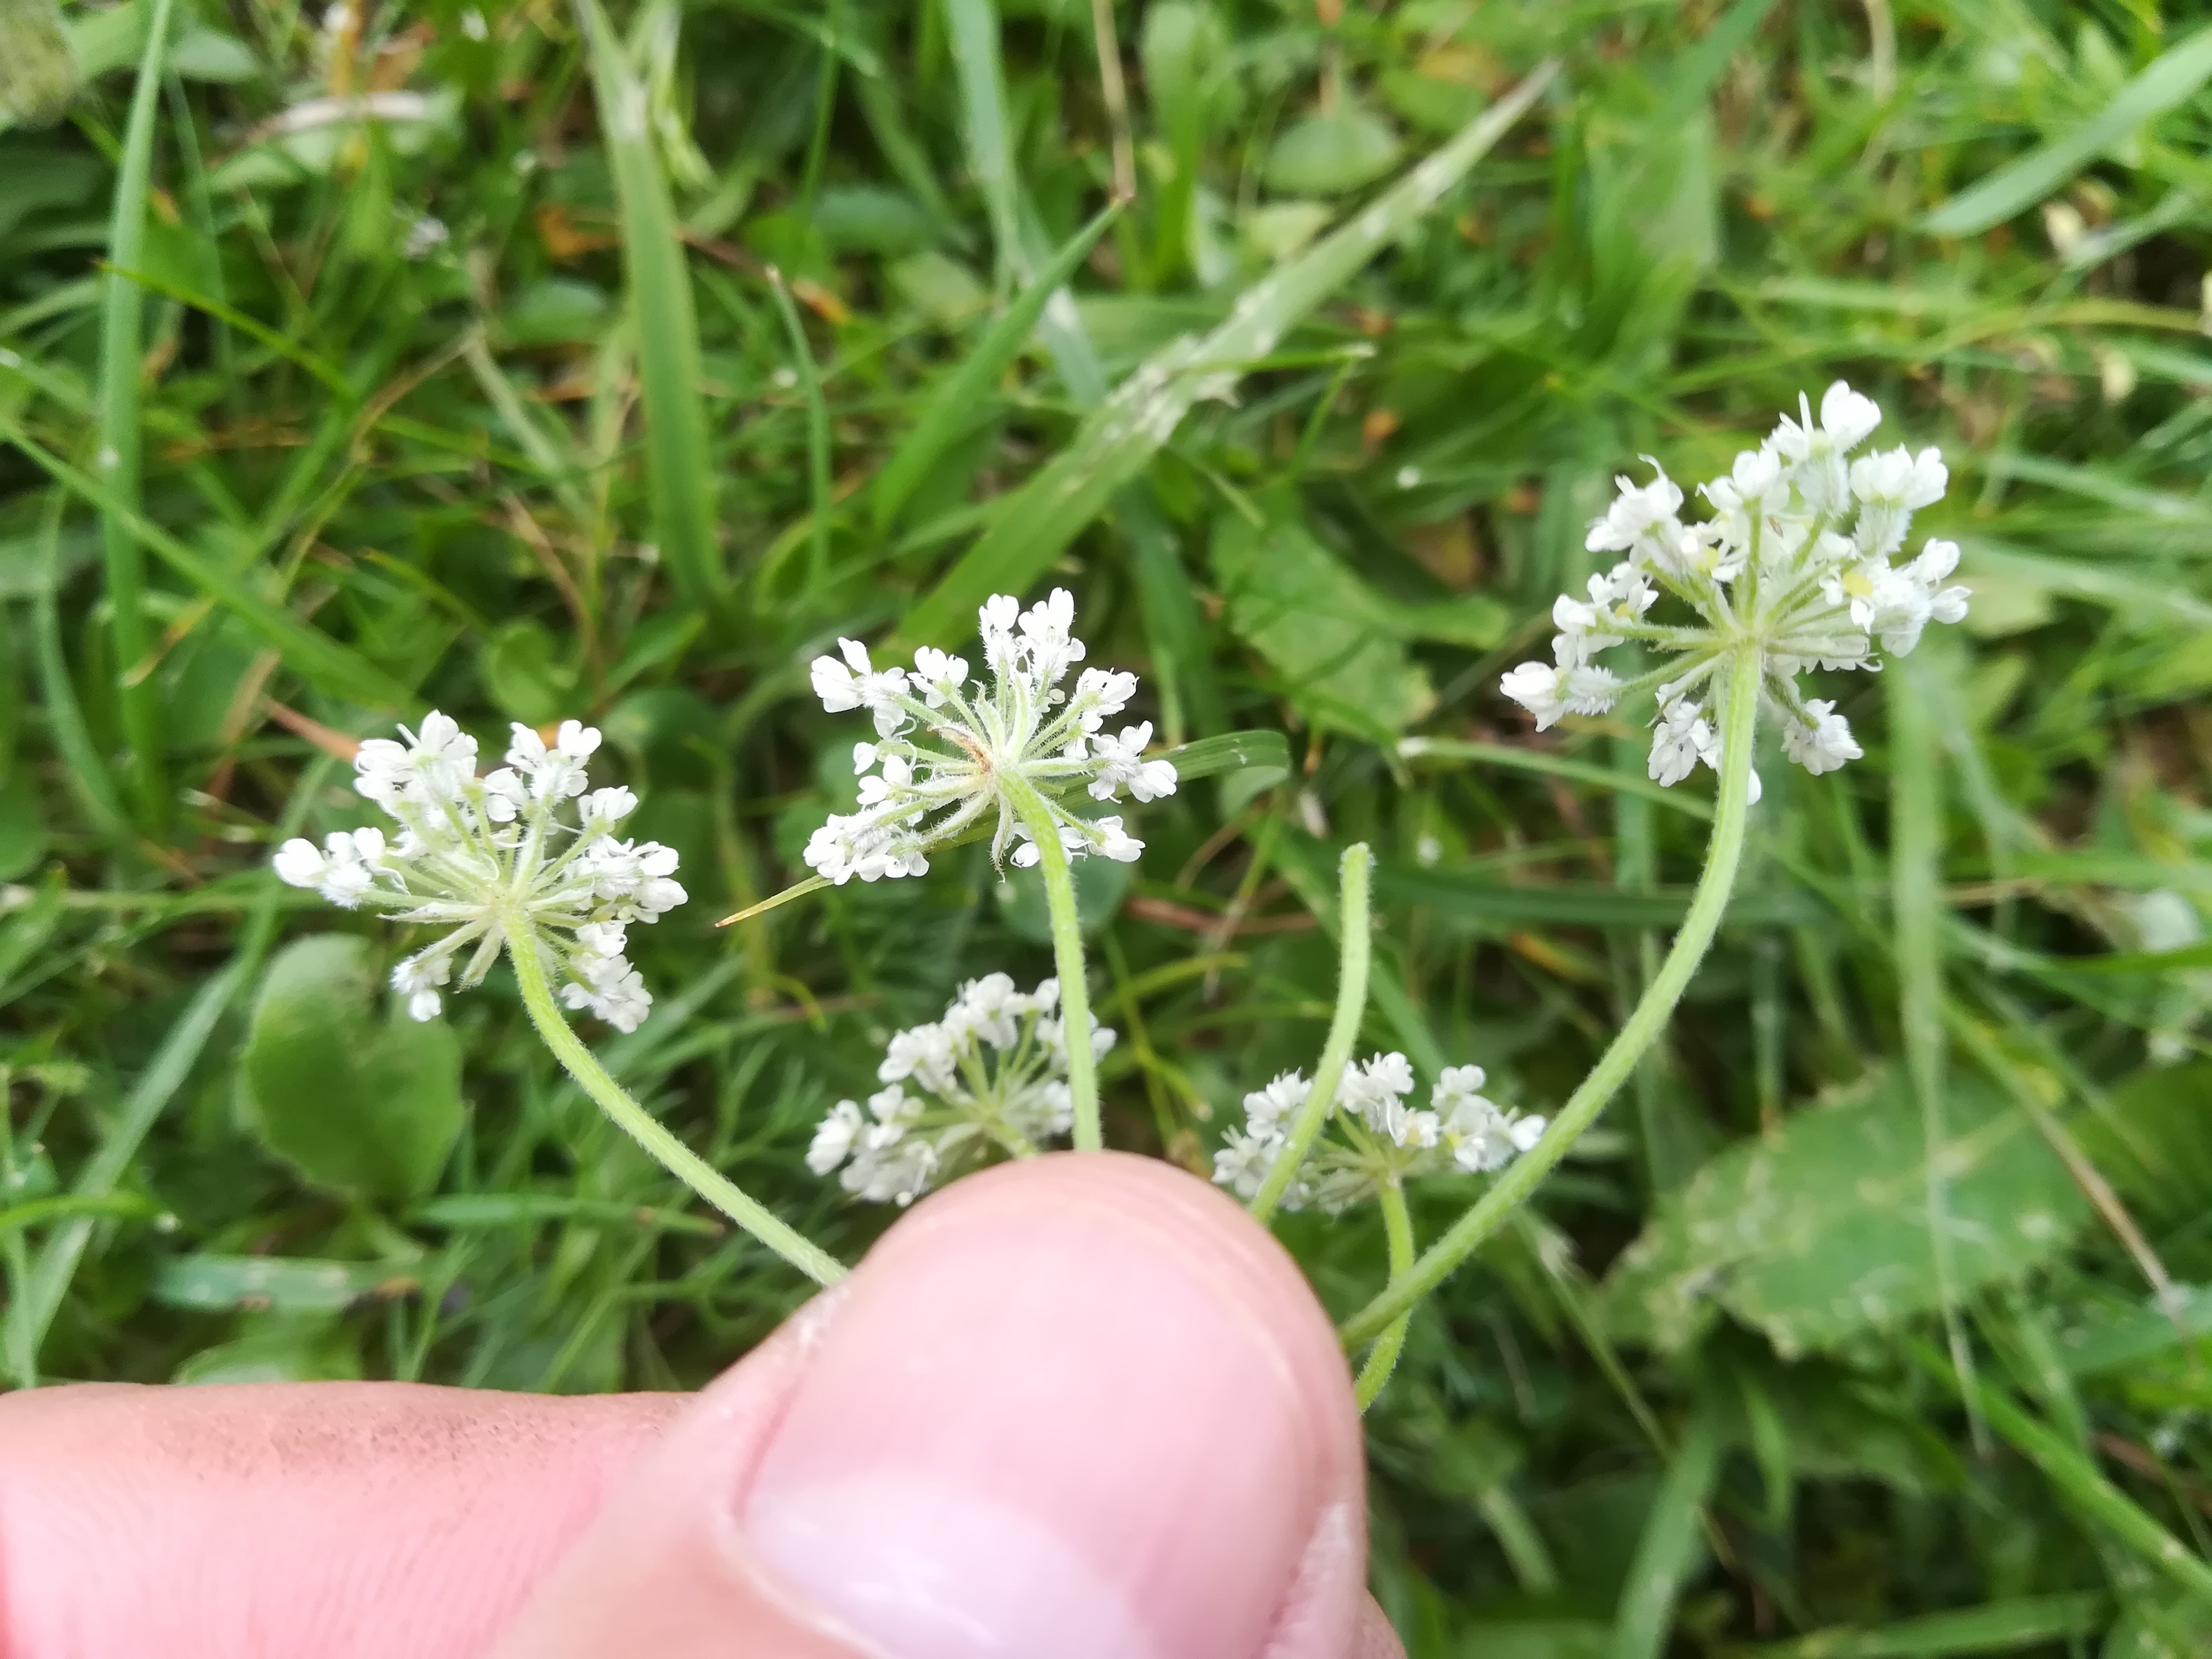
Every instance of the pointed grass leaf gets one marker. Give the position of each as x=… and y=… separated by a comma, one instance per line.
x=1819, y=1232
x=1115, y=440
x=953, y=406
x=122, y=326
x=2171, y=80
x=357, y=1102
x=679, y=470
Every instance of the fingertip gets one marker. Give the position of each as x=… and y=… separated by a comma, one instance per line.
x=1081, y=1406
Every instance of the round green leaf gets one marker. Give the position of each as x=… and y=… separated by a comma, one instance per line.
x=356, y=1103
x=1328, y=154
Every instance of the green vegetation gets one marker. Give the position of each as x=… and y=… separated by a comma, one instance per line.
x=542, y=362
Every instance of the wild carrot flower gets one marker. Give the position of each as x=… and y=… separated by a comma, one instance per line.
x=989, y=1076
x=1794, y=563
x=952, y=747
x=495, y=859
x=1375, y=1139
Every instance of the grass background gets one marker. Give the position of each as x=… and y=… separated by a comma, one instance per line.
x=533, y=361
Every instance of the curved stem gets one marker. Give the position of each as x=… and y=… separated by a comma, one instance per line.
x=1397, y=1230
x=1353, y=941
x=679, y=1160
x=1723, y=854
x=1066, y=957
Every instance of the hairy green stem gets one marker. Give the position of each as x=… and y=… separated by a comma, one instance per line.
x=679, y=1160
x=1352, y=941
x=1066, y=957
x=1382, y=1359
x=1723, y=854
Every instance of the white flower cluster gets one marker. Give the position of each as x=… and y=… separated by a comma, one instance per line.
x=492, y=859
x=1380, y=1140
x=1794, y=561
x=991, y=1073
x=955, y=747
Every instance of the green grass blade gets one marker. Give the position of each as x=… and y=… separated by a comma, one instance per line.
x=291, y=350
x=679, y=469
x=122, y=319
x=1671, y=1545
x=32, y=1314
x=2078, y=1480
x=973, y=31
x=1056, y=504
x=817, y=427
x=952, y=406
x=1916, y=917
x=1556, y=765
x=82, y=763
x=1999, y=1627
x=2168, y=81
x=313, y=655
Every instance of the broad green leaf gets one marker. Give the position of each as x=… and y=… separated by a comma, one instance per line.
x=1330, y=153
x=2170, y=80
x=1333, y=643
x=1820, y=1231
x=356, y=1101
x=2156, y=1145
x=1232, y=751
x=1115, y=440
x=313, y=1346
x=1100, y=885
x=521, y=663
x=224, y=1284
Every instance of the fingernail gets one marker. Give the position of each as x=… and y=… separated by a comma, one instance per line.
x=1050, y=1428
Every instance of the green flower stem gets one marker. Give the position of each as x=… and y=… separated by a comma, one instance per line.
x=1066, y=957
x=1382, y=1359
x=1353, y=941
x=1724, y=854
x=633, y=1119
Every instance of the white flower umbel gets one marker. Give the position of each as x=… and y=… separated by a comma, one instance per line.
x=530, y=860
x=1010, y=750
x=955, y=751
x=990, y=1076
x=1792, y=570
x=524, y=853
x=1375, y=1141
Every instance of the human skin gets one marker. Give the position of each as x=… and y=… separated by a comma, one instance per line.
x=1077, y=1408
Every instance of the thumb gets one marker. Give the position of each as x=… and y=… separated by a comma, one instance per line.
x=1077, y=1407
